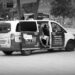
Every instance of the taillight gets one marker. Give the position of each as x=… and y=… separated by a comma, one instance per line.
x=12, y=36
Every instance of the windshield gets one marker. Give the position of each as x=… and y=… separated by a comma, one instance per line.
x=26, y=26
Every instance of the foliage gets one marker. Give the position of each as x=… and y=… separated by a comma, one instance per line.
x=1, y=9
x=3, y=12
x=29, y=7
x=32, y=8
x=62, y=8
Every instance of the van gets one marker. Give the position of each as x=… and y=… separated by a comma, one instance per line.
x=27, y=36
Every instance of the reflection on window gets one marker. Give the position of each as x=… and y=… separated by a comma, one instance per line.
x=5, y=27
x=55, y=27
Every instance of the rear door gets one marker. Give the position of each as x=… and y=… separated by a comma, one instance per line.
x=5, y=29
x=30, y=35
x=58, y=37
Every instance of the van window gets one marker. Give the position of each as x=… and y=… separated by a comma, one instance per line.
x=26, y=26
x=56, y=27
x=5, y=27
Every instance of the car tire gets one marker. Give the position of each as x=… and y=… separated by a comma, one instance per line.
x=50, y=50
x=7, y=52
x=70, y=45
x=26, y=52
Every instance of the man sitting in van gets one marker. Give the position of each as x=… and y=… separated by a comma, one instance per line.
x=45, y=37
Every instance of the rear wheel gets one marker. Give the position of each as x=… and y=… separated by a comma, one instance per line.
x=70, y=45
x=7, y=52
x=26, y=52
x=50, y=50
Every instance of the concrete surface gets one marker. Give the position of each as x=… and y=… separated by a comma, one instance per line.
x=40, y=63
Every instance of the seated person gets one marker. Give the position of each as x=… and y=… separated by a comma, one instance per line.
x=45, y=36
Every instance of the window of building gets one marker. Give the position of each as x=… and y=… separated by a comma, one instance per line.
x=56, y=27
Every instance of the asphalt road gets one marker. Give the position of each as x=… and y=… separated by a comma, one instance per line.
x=40, y=63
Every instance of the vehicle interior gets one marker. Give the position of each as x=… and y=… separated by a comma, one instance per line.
x=45, y=35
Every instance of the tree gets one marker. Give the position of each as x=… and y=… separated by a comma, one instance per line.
x=32, y=8
x=62, y=8
x=19, y=8
x=1, y=9
x=36, y=9
x=29, y=7
x=3, y=12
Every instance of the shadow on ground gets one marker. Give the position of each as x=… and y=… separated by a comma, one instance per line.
x=37, y=52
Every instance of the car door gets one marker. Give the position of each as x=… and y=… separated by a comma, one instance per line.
x=58, y=36
x=5, y=29
x=29, y=33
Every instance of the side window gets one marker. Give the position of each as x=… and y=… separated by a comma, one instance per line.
x=26, y=26
x=5, y=27
x=18, y=29
x=56, y=27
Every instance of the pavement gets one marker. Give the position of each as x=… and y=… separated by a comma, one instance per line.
x=39, y=63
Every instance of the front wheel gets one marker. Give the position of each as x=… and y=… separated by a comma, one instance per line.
x=70, y=46
x=26, y=52
x=7, y=52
